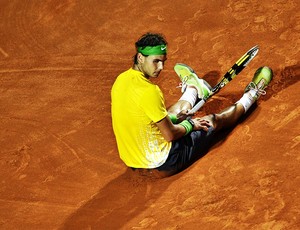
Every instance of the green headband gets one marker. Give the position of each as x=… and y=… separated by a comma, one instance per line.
x=153, y=50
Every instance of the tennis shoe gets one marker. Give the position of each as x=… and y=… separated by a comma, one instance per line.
x=260, y=81
x=189, y=78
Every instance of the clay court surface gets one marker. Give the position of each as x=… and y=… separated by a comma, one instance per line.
x=59, y=165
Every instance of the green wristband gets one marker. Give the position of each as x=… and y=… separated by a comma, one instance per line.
x=173, y=118
x=187, y=125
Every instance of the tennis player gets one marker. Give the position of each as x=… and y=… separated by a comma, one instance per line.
x=164, y=141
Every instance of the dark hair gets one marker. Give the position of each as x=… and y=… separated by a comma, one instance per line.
x=149, y=39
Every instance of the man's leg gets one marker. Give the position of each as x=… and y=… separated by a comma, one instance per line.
x=186, y=102
x=231, y=115
x=193, y=89
x=226, y=118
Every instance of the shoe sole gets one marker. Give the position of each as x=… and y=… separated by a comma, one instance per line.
x=184, y=70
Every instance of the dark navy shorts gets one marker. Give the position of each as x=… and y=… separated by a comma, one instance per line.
x=187, y=149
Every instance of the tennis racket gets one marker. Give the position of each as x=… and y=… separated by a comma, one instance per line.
x=229, y=75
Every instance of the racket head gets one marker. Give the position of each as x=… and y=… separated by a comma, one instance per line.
x=246, y=59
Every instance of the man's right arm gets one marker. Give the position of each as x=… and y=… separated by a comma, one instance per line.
x=173, y=132
x=169, y=130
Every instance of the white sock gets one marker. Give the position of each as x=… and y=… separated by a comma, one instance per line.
x=190, y=95
x=247, y=99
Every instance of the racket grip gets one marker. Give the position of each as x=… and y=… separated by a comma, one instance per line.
x=197, y=106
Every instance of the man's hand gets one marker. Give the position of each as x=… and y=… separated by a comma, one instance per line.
x=183, y=115
x=202, y=123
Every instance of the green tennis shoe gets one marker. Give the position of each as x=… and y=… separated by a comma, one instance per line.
x=260, y=81
x=188, y=77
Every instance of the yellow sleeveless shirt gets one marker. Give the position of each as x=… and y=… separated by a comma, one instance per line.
x=137, y=104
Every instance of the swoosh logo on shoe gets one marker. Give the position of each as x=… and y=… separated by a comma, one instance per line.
x=163, y=48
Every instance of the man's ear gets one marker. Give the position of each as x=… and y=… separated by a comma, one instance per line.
x=141, y=58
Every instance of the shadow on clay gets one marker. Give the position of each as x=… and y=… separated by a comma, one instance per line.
x=282, y=79
x=118, y=202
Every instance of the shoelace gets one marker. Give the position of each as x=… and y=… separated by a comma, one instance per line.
x=259, y=91
x=183, y=84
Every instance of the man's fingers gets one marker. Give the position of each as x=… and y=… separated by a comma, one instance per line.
x=202, y=124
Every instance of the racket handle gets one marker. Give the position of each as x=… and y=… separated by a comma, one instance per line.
x=197, y=106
